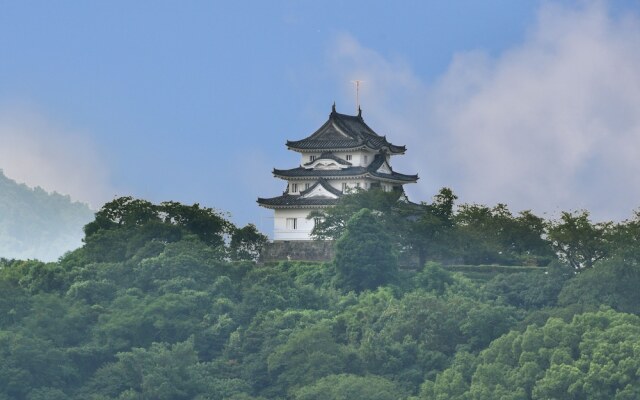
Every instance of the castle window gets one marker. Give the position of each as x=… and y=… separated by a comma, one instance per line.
x=345, y=187
x=358, y=185
x=306, y=186
x=294, y=188
x=349, y=157
x=366, y=159
x=312, y=158
x=317, y=221
x=292, y=223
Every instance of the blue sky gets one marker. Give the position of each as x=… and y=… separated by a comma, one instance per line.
x=528, y=103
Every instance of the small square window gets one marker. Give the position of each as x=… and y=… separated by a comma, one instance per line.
x=294, y=188
x=312, y=158
x=306, y=186
x=349, y=157
x=345, y=187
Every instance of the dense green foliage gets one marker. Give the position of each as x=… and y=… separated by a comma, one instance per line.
x=595, y=356
x=470, y=234
x=162, y=303
x=364, y=256
x=37, y=224
x=475, y=234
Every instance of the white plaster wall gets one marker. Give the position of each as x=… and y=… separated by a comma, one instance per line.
x=300, y=187
x=357, y=157
x=306, y=157
x=304, y=228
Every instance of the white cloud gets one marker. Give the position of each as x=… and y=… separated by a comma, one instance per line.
x=551, y=124
x=39, y=152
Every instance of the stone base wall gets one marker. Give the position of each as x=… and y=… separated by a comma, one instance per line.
x=297, y=250
x=314, y=250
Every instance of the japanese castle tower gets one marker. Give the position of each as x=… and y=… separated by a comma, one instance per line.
x=343, y=154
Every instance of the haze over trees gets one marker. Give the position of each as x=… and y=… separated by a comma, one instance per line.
x=163, y=301
x=37, y=224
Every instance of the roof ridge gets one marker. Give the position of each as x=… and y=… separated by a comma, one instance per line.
x=343, y=131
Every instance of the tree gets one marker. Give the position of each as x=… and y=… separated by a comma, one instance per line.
x=162, y=371
x=352, y=387
x=429, y=226
x=494, y=235
x=28, y=363
x=333, y=220
x=125, y=227
x=307, y=356
x=626, y=238
x=434, y=278
x=247, y=242
x=364, y=255
x=123, y=211
x=595, y=356
x=530, y=290
x=612, y=282
x=578, y=241
x=205, y=222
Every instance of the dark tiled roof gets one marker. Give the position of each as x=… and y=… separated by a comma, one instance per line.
x=298, y=200
x=329, y=156
x=293, y=200
x=301, y=172
x=343, y=131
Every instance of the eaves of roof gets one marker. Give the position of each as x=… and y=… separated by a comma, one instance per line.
x=295, y=201
x=344, y=132
x=358, y=171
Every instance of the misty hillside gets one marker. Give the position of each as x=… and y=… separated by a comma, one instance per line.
x=37, y=224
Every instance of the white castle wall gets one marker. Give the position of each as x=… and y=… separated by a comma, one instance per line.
x=360, y=158
x=302, y=229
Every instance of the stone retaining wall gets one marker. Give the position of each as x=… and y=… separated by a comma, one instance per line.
x=302, y=250
x=314, y=250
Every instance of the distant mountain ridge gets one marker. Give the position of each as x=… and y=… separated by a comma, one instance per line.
x=37, y=224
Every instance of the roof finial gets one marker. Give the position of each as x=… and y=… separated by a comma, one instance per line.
x=333, y=107
x=357, y=83
x=359, y=112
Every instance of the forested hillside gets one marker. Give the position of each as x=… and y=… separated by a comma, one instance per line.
x=37, y=224
x=164, y=302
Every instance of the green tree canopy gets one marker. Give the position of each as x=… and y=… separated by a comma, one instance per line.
x=578, y=241
x=333, y=220
x=596, y=356
x=613, y=282
x=364, y=255
x=428, y=228
x=126, y=227
x=247, y=242
x=487, y=235
x=352, y=387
